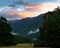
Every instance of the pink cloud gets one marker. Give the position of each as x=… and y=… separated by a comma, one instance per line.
x=42, y=7
x=12, y=13
x=34, y=10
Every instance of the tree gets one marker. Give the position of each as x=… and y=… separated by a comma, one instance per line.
x=50, y=31
x=6, y=38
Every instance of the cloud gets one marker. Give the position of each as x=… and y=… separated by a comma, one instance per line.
x=30, y=10
x=57, y=0
x=40, y=7
x=12, y=13
x=33, y=10
x=27, y=14
x=23, y=14
x=21, y=2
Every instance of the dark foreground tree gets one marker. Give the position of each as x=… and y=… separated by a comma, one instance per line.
x=50, y=31
x=6, y=38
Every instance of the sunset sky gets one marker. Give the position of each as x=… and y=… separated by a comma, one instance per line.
x=18, y=9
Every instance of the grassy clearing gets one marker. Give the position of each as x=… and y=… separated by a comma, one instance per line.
x=23, y=46
x=20, y=46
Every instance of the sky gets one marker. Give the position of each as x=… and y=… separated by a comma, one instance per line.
x=19, y=9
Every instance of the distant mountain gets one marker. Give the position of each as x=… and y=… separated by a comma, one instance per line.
x=24, y=26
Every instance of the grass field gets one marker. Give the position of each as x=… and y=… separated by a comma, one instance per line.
x=20, y=46
x=23, y=46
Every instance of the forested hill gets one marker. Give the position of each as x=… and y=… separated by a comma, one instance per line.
x=26, y=25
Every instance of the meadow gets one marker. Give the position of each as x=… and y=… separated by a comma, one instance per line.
x=20, y=46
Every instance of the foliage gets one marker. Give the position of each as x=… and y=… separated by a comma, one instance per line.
x=19, y=46
x=21, y=39
x=50, y=31
x=6, y=38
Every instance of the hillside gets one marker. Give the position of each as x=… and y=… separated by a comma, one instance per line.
x=24, y=26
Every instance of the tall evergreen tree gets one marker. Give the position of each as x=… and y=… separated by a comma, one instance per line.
x=50, y=31
x=6, y=38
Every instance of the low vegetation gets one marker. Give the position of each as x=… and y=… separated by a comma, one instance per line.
x=49, y=33
x=50, y=30
x=6, y=38
x=20, y=46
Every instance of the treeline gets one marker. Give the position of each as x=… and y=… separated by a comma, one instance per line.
x=22, y=39
x=50, y=30
x=6, y=38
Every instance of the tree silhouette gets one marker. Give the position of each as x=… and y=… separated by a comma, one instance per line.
x=50, y=31
x=6, y=38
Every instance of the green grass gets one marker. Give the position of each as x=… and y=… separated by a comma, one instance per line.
x=20, y=46
x=23, y=46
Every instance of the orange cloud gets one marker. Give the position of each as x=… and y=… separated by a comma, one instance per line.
x=12, y=13
x=34, y=10
x=33, y=7
x=23, y=14
x=27, y=14
x=41, y=7
x=48, y=6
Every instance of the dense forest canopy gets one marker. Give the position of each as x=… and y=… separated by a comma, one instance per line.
x=7, y=38
x=50, y=31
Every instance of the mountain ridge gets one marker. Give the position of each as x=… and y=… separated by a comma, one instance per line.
x=24, y=26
